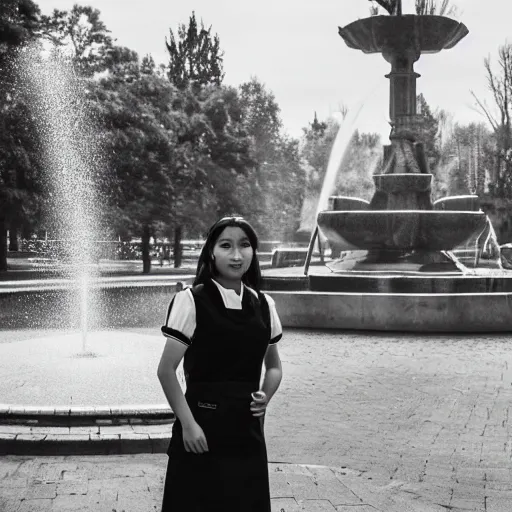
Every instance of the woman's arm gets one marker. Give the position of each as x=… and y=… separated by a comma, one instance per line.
x=271, y=380
x=273, y=371
x=193, y=436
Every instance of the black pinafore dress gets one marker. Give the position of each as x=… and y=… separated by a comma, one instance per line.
x=222, y=368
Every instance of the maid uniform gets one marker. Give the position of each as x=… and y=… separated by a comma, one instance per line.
x=227, y=336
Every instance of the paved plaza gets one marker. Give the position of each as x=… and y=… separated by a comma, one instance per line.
x=415, y=422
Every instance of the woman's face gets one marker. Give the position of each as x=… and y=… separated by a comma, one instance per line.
x=233, y=254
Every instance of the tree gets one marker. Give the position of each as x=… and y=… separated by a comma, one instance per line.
x=19, y=25
x=429, y=130
x=500, y=85
x=195, y=58
x=211, y=129
x=278, y=181
x=138, y=129
x=362, y=158
x=82, y=36
x=465, y=160
x=355, y=165
x=176, y=154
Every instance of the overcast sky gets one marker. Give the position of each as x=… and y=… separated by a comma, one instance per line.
x=295, y=49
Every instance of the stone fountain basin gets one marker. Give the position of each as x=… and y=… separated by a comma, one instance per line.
x=384, y=229
x=393, y=34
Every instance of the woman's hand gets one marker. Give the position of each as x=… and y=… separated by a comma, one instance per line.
x=259, y=403
x=194, y=439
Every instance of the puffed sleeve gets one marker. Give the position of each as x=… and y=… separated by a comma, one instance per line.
x=276, y=331
x=181, y=318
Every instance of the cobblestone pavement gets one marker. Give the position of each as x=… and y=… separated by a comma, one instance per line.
x=134, y=483
x=420, y=418
x=426, y=414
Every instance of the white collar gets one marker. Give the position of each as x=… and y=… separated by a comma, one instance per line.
x=230, y=298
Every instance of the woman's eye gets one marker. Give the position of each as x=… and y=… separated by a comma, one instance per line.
x=225, y=246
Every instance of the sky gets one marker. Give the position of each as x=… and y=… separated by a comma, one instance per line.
x=295, y=50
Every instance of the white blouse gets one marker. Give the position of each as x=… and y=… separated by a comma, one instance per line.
x=183, y=312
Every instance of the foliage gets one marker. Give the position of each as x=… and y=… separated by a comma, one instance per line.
x=432, y=7
x=429, y=130
x=465, y=160
x=19, y=24
x=317, y=143
x=195, y=58
x=138, y=132
x=361, y=160
x=356, y=166
x=277, y=184
x=80, y=35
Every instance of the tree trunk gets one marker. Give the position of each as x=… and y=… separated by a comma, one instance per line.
x=3, y=245
x=13, y=237
x=178, y=251
x=146, y=257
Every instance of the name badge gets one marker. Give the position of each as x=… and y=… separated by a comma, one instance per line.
x=206, y=405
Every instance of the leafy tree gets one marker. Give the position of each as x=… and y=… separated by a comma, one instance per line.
x=210, y=128
x=317, y=143
x=19, y=24
x=360, y=159
x=315, y=150
x=261, y=117
x=139, y=135
x=82, y=36
x=278, y=182
x=175, y=155
x=195, y=57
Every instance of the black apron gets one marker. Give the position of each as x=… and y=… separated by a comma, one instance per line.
x=222, y=368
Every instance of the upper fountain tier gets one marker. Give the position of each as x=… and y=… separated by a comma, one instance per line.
x=393, y=34
x=401, y=40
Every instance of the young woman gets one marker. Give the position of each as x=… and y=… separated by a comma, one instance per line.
x=225, y=329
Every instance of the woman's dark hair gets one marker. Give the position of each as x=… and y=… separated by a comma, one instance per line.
x=206, y=266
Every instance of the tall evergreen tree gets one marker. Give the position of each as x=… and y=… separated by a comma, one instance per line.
x=195, y=57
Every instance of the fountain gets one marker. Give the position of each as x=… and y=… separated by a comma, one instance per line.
x=400, y=261
x=73, y=341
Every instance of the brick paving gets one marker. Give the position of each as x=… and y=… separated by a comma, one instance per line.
x=134, y=483
x=428, y=416
x=417, y=423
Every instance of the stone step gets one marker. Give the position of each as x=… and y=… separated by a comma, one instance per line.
x=68, y=416
x=84, y=440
